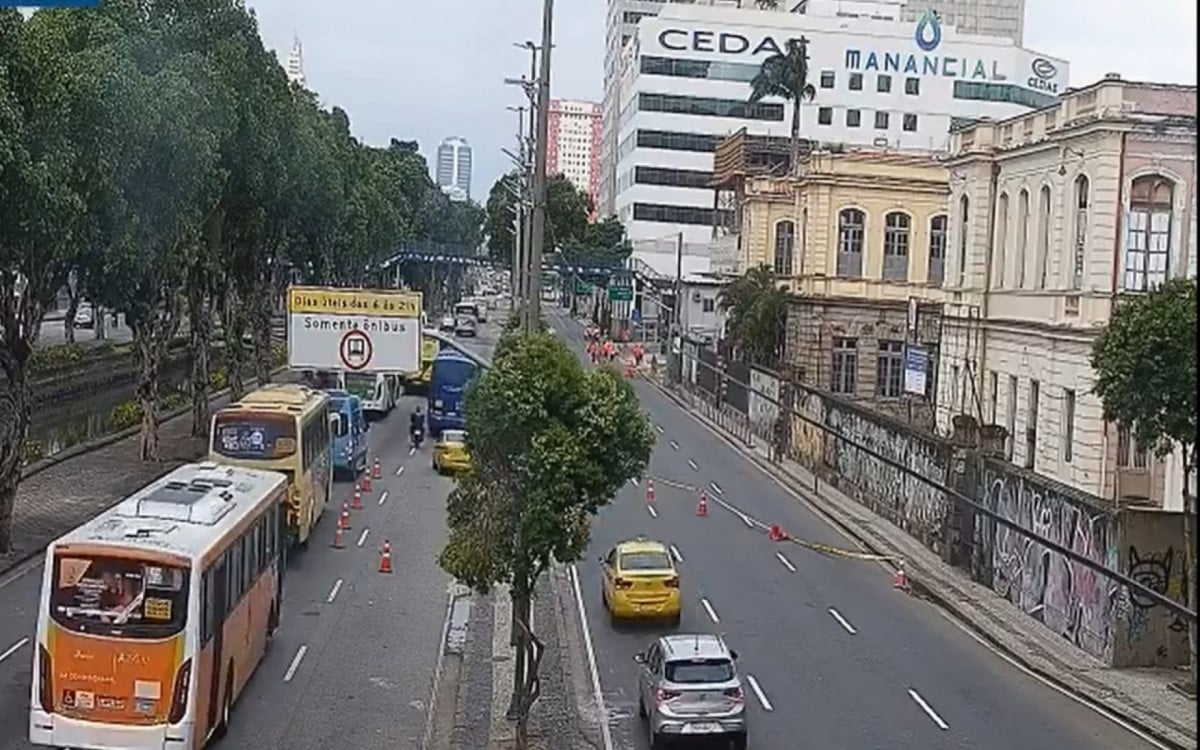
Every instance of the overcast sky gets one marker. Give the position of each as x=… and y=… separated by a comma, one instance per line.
x=429, y=69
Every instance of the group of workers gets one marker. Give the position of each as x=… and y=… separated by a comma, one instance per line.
x=602, y=349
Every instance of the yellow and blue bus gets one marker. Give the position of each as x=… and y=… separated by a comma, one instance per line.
x=286, y=428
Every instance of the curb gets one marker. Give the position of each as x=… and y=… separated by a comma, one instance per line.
x=919, y=588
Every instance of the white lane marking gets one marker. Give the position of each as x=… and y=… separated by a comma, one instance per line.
x=675, y=553
x=942, y=725
x=746, y=520
x=674, y=445
x=333, y=592
x=842, y=621
x=659, y=428
x=708, y=609
x=291, y=670
x=758, y=693
x=633, y=481
x=400, y=471
x=363, y=537
x=412, y=451
x=716, y=488
x=383, y=498
x=692, y=464
x=590, y=651
x=653, y=513
x=786, y=562
x=13, y=649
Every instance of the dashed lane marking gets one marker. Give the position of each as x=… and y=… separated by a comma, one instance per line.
x=362, y=538
x=785, y=562
x=633, y=481
x=716, y=488
x=653, y=513
x=333, y=592
x=674, y=445
x=692, y=464
x=383, y=497
x=708, y=609
x=675, y=554
x=842, y=621
x=295, y=665
x=401, y=469
x=759, y=693
x=942, y=725
x=13, y=649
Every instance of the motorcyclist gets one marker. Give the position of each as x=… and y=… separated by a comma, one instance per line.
x=416, y=423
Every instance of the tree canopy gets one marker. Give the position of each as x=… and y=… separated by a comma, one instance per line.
x=756, y=315
x=785, y=75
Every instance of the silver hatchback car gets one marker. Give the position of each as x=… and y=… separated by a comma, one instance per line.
x=689, y=689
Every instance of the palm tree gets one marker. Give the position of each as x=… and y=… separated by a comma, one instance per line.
x=786, y=75
x=755, y=308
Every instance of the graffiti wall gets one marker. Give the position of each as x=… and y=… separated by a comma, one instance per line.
x=808, y=437
x=1151, y=552
x=764, y=386
x=914, y=506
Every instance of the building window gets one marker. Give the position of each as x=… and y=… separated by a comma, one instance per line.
x=1043, y=245
x=881, y=120
x=672, y=177
x=883, y=84
x=680, y=214
x=954, y=377
x=993, y=394
x=937, y=249
x=856, y=82
x=912, y=86
x=845, y=366
x=980, y=91
x=910, y=123
x=1130, y=455
x=889, y=375
x=828, y=79
x=671, y=141
x=853, y=118
x=1148, y=239
x=785, y=244
x=896, y=227
x=1031, y=424
x=708, y=304
x=1022, y=235
x=825, y=116
x=1001, y=242
x=1068, y=425
x=1079, y=243
x=705, y=69
x=851, y=225
x=1010, y=417
x=703, y=106
x=964, y=225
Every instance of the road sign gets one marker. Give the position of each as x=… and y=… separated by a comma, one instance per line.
x=361, y=330
x=356, y=350
x=582, y=287
x=635, y=315
x=620, y=293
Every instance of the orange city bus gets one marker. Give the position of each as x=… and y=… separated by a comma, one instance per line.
x=154, y=614
x=285, y=428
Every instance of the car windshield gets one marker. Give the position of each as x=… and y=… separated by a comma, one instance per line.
x=454, y=436
x=118, y=597
x=645, y=561
x=698, y=671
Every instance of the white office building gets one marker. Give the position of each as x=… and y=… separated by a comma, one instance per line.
x=453, y=169
x=881, y=82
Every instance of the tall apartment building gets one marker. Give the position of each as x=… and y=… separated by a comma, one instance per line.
x=573, y=145
x=294, y=67
x=454, y=168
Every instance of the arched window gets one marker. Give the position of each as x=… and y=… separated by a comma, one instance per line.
x=964, y=224
x=1000, y=251
x=1148, y=236
x=1042, y=263
x=1022, y=235
x=851, y=224
x=937, y=249
x=896, y=227
x=785, y=244
x=1080, y=229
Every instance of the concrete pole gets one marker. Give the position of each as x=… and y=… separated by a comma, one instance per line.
x=539, y=170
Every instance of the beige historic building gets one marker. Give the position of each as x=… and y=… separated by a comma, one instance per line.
x=1053, y=216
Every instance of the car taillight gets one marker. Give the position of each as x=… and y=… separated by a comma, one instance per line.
x=45, y=680
x=179, y=694
x=621, y=583
x=672, y=583
x=662, y=696
x=735, y=693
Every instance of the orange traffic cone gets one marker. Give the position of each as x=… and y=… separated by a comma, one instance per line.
x=900, y=580
x=356, y=499
x=776, y=534
x=366, y=482
x=377, y=470
x=702, y=506
x=649, y=490
x=385, y=558
x=344, y=519
x=338, y=543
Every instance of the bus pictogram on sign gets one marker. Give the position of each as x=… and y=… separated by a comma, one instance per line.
x=356, y=350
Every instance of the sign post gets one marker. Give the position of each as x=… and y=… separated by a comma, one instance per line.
x=356, y=330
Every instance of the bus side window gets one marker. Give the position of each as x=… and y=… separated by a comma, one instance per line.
x=272, y=526
x=206, y=608
x=235, y=575
x=250, y=561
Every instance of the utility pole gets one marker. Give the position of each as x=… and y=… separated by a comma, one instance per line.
x=520, y=246
x=531, y=272
x=539, y=169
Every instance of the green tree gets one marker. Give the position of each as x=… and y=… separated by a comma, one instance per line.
x=567, y=211
x=500, y=207
x=786, y=76
x=551, y=444
x=1145, y=365
x=755, y=307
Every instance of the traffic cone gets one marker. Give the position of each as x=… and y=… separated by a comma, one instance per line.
x=900, y=580
x=356, y=499
x=344, y=520
x=338, y=542
x=377, y=470
x=702, y=506
x=649, y=491
x=385, y=558
x=776, y=534
x=366, y=483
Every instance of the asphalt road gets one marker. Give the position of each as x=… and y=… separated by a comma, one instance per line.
x=834, y=656
x=54, y=334
x=353, y=664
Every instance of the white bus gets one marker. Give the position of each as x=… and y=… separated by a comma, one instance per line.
x=155, y=614
x=379, y=392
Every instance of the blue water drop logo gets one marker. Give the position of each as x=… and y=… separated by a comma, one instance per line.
x=929, y=32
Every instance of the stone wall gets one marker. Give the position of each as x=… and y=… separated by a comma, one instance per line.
x=1092, y=610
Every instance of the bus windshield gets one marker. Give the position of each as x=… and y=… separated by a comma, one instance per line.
x=452, y=375
x=466, y=308
x=250, y=436
x=361, y=384
x=119, y=597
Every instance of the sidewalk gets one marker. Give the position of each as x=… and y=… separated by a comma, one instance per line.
x=1141, y=697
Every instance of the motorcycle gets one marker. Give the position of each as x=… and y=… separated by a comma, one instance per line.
x=418, y=437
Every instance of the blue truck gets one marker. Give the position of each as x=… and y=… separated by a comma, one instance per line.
x=451, y=373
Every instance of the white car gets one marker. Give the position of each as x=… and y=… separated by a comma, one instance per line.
x=85, y=317
x=446, y=324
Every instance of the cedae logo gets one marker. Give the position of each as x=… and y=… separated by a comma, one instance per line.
x=1043, y=76
x=929, y=32
x=723, y=42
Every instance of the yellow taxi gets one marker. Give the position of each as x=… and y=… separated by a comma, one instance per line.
x=641, y=582
x=450, y=452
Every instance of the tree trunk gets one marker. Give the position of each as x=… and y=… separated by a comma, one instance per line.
x=262, y=337
x=1189, y=546
x=147, y=348
x=14, y=427
x=101, y=330
x=234, y=324
x=795, y=138
x=199, y=340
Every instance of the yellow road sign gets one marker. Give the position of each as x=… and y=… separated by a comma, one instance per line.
x=381, y=303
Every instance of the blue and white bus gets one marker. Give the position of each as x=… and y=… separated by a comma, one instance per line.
x=452, y=371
